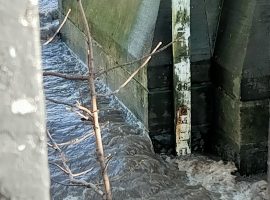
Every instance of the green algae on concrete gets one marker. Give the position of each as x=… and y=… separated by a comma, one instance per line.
x=123, y=31
x=111, y=23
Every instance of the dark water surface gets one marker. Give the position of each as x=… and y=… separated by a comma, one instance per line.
x=136, y=172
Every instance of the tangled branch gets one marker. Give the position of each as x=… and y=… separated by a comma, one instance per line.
x=66, y=169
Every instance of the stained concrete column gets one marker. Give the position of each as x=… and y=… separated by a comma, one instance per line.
x=159, y=83
x=241, y=74
x=204, y=21
x=23, y=153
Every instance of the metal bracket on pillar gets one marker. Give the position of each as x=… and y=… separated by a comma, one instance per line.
x=182, y=75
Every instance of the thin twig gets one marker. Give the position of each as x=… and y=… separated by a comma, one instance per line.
x=61, y=168
x=82, y=173
x=134, y=73
x=59, y=28
x=49, y=144
x=66, y=76
x=76, y=140
x=84, y=109
x=67, y=185
x=88, y=118
x=59, y=102
x=101, y=72
x=89, y=185
x=68, y=171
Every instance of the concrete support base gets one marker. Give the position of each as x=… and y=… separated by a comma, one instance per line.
x=240, y=68
x=240, y=132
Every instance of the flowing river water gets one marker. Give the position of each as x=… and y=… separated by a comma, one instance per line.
x=136, y=172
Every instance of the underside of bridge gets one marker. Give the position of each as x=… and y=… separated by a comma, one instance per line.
x=230, y=68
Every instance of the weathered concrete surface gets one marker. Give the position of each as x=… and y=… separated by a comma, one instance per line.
x=150, y=95
x=181, y=75
x=122, y=34
x=241, y=132
x=240, y=70
x=159, y=82
x=204, y=22
x=145, y=24
x=23, y=153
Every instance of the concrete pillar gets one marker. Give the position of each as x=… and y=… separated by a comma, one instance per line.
x=181, y=75
x=23, y=154
x=204, y=19
x=241, y=75
x=159, y=82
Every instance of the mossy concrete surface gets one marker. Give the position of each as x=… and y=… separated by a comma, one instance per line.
x=240, y=73
x=204, y=21
x=122, y=31
x=240, y=132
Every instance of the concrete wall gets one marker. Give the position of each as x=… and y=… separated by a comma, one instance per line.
x=240, y=74
x=160, y=84
x=204, y=23
x=128, y=31
x=23, y=154
x=229, y=65
x=123, y=31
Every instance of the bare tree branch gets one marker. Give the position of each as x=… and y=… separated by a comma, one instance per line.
x=101, y=72
x=76, y=140
x=61, y=168
x=78, y=105
x=68, y=171
x=134, y=73
x=82, y=173
x=88, y=116
x=67, y=185
x=88, y=185
x=59, y=102
x=59, y=28
x=99, y=145
x=66, y=76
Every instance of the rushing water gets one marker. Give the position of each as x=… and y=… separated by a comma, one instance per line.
x=136, y=171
